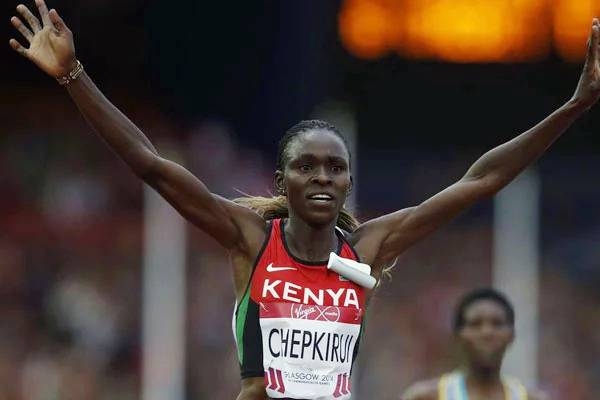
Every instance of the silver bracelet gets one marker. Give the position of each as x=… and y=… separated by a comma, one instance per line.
x=71, y=76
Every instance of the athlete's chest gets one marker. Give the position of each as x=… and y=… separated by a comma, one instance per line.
x=310, y=285
x=497, y=395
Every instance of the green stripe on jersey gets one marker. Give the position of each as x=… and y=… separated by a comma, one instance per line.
x=240, y=323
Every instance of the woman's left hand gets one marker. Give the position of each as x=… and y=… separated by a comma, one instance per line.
x=588, y=88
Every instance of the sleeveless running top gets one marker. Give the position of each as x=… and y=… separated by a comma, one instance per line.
x=298, y=323
x=452, y=386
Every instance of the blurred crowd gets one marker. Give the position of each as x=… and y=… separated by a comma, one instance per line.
x=71, y=253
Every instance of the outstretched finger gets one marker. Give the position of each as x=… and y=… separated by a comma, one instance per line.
x=20, y=26
x=57, y=21
x=18, y=47
x=34, y=23
x=41, y=5
x=596, y=46
x=592, y=50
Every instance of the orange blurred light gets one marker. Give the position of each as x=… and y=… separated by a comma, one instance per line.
x=470, y=31
x=572, y=25
x=363, y=27
x=467, y=30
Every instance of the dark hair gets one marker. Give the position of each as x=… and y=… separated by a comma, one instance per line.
x=276, y=206
x=300, y=128
x=482, y=294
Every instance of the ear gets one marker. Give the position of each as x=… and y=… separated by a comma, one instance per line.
x=280, y=183
x=350, y=186
x=512, y=336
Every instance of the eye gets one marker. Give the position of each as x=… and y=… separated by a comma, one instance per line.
x=337, y=169
x=498, y=323
x=474, y=323
x=305, y=168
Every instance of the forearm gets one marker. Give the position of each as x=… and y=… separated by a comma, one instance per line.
x=507, y=160
x=126, y=139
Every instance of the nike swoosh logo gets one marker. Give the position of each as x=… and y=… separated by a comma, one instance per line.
x=271, y=268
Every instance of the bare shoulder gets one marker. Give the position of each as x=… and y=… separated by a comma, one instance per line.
x=252, y=226
x=369, y=238
x=422, y=390
x=537, y=395
x=383, y=224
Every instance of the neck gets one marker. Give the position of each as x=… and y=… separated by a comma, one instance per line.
x=483, y=377
x=308, y=242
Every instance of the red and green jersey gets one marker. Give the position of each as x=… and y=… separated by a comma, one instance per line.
x=298, y=323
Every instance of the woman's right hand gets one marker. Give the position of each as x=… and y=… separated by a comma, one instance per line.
x=51, y=45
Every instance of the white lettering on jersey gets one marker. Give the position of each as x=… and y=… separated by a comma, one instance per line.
x=351, y=299
x=308, y=293
x=336, y=295
x=298, y=294
x=290, y=289
x=270, y=288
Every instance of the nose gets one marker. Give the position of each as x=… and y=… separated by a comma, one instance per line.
x=487, y=331
x=321, y=176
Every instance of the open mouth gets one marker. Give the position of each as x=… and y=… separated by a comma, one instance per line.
x=323, y=198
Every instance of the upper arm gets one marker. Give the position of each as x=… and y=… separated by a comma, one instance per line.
x=232, y=225
x=397, y=231
x=426, y=390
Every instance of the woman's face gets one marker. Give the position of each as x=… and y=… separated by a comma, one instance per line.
x=317, y=177
x=486, y=333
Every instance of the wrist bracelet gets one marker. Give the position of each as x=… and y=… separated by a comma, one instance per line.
x=71, y=76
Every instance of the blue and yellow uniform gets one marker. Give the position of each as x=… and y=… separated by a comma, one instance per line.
x=452, y=386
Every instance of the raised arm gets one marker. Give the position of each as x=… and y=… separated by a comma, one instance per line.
x=393, y=233
x=51, y=48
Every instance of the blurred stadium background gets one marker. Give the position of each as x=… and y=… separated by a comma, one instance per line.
x=428, y=85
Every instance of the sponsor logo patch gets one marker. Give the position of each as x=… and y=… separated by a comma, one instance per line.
x=271, y=268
